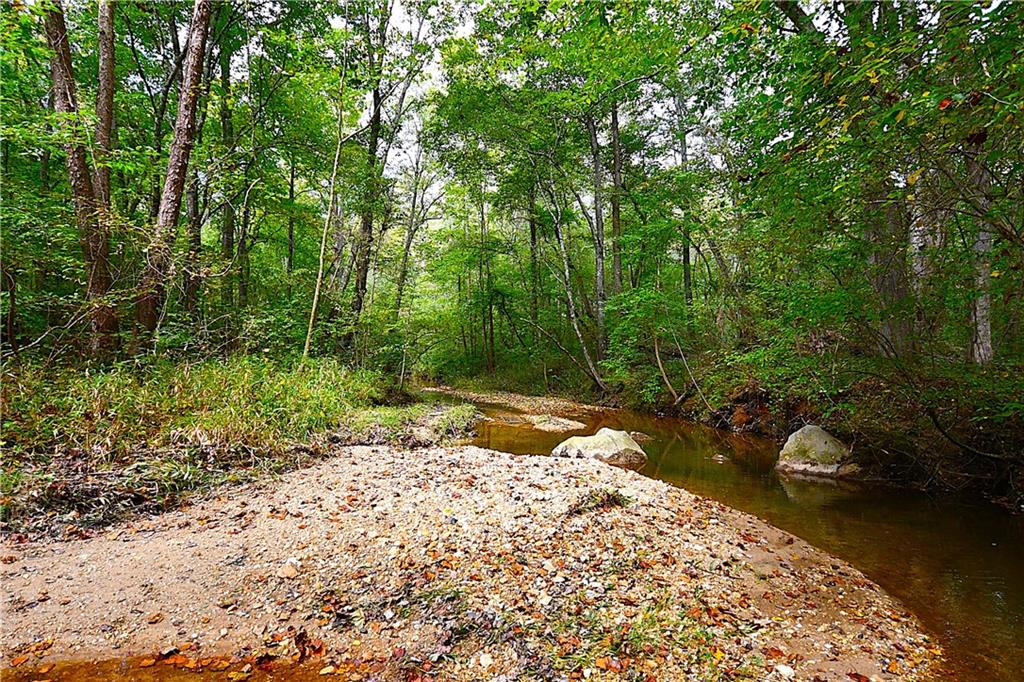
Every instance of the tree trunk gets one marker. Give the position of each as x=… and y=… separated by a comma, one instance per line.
x=981, y=308
x=104, y=106
x=44, y=157
x=243, y=255
x=488, y=316
x=403, y=272
x=417, y=215
x=599, y=288
x=10, y=287
x=193, y=279
x=888, y=228
x=227, y=225
x=570, y=303
x=616, y=203
x=341, y=240
x=340, y=123
x=291, y=222
x=571, y=308
x=462, y=326
x=889, y=236
x=927, y=227
x=796, y=14
x=661, y=369
x=159, y=256
x=684, y=159
x=94, y=238
x=534, y=272
x=364, y=240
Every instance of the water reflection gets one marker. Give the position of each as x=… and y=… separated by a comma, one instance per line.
x=958, y=567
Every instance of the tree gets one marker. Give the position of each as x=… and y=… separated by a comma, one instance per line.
x=90, y=201
x=159, y=260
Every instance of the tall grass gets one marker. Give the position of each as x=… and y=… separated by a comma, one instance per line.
x=243, y=402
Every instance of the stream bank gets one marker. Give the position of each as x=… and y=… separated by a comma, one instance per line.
x=455, y=563
x=954, y=562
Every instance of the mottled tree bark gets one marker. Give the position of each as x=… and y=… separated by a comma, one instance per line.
x=159, y=254
x=193, y=277
x=927, y=228
x=887, y=225
x=94, y=238
x=570, y=301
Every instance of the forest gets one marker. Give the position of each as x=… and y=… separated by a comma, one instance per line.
x=236, y=234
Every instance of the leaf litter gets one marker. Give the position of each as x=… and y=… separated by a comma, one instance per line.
x=459, y=563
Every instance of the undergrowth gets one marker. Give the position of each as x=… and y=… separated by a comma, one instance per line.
x=243, y=402
x=84, y=448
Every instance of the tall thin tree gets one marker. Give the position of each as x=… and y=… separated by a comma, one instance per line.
x=93, y=232
x=159, y=261
x=332, y=197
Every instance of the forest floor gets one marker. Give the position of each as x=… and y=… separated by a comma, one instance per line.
x=383, y=562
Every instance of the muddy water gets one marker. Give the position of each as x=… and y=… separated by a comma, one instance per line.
x=959, y=567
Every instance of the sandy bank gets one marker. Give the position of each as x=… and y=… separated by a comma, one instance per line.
x=462, y=563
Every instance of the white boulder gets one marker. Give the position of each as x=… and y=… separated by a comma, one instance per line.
x=813, y=451
x=607, y=445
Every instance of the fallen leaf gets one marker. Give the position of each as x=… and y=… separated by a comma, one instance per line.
x=18, y=660
x=154, y=618
x=147, y=662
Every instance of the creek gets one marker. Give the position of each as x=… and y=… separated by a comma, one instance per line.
x=958, y=566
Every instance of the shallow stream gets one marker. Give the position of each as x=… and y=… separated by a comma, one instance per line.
x=959, y=567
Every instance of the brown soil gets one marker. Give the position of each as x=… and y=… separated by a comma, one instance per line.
x=458, y=563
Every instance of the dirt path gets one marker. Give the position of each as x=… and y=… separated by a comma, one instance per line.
x=459, y=564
